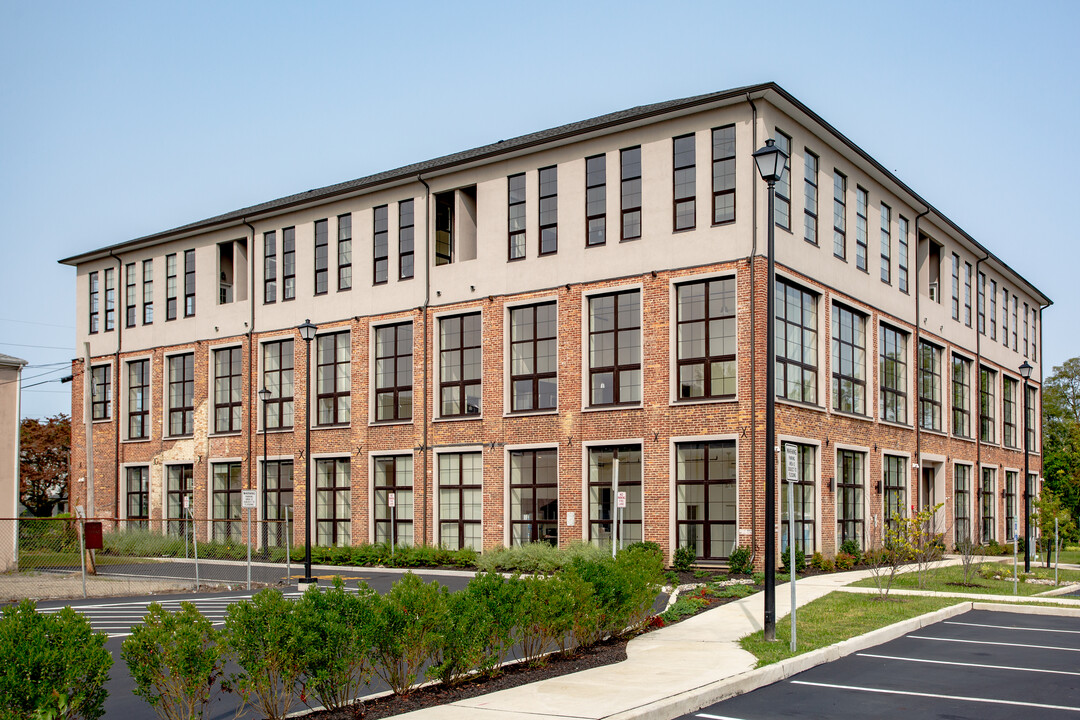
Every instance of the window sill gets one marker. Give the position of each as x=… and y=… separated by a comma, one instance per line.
x=800, y=405
x=179, y=437
x=530, y=413
x=458, y=418
x=135, y=440
x=274, y=431
x=231, y=433
x=389, y=423
x=101, y=421
x=690, y=402
x=610, y=408
x=338, y=426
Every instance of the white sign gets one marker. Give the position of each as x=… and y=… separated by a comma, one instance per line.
x=391, y=499
x=791, y=456
x=187, y=501
x=1016, y=528
x=248, y=499
x=621, y=501
x=570, y=519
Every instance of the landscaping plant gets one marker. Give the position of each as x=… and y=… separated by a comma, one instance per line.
x=174, y=659
x=741, y=561
x=684, y=557
x=406, y=630
x=885, y=560
x=463, y=642
x=498, y=599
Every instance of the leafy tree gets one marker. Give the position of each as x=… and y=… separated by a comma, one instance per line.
x=1061, y=434
x=44, y=447
x=1047, y=509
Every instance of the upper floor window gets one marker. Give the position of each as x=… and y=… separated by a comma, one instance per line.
x=549, y=210
x=967, y=294
x=170, y=287
x=706, y=338
x=929, y=386
x=685, y=170
x=902, y=255
x=393, y=372
x=886, y=243
x=961, y=396
x=861, y=201
x=796, y=340
x=189, y=283
x=138, y=399
x=894, y=381
x=444, y=228
x=630, y=160
x=148, y=291
x=1008, y=412
x=534, y=357
x=1025, y=329
x=344, y=252
x=1015, y=324
x=615, y=348
x=92, y=279
x=182, y=394
x=460, y=364
x=322, y=259
x=405, y=239
x=782, y=204
x=288, y=263
x=955, y=287
x=1005, y=316
x=130, y=307
x=839, y=215
x=333, y=385
x=278, y=379
x=269, y=267
x=981, y=304
x=1029, y=420
x=810, y=196
x=515, y=216
x=987, y=405
x=101, y=392
x=723, y=174
x=596, y=200
x=1034, y=332
x=848, y=360
x=381, y=244
x=110, y=300
x=228, y=389
x=993, y=309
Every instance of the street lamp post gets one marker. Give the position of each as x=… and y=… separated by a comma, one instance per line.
x=307, y=333
x=1025, y=372
x=770, y=162
x=264, y=396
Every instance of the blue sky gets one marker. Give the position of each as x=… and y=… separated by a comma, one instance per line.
x=122, y=119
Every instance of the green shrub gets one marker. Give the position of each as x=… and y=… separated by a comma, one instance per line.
x=336, y=627
x=463, y=642
x=405, y=630
x=546, y=616
x=851, y=547
x=844, y=561
x=538, y=557
x=498, y=599
x=646, y=545
x=53, y=664
x=816, y=561
x=684, y=557
x=54, y=534
x=174, y=659
x=264, y=637
x=741, y=561
x=800, y=560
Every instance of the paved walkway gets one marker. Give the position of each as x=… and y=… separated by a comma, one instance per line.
x=660, y=665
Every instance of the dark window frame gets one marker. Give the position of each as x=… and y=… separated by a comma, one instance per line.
x=170, y=287
x=227, y=528
x=397, y=388
x=709, y=485
x=993, y=309
x=627, y=192
x=956, y=287
x=893, y=375
x=383, y=526
x=902, y=254
x=531, y=347
x=281, y=402
x=539, y=519
x=462, y=384
x=137, y=499
x=184, y=413
x=100, y=392
x=596, y=194
x=727, y=285
x=619, y=367
x=130, y=305
x=987, y=405
x=961, y=396
x=810, y=196
x=340, y=527
x=445, y=220
x=548, y=212
x=516, y=239
x=848, y=325
x=724, y=175
x=148, y=292
x=269, y=267
x=886, y=244
x=1011, y=476
x=980, y=303
x=808, y=371
x=782, y=189
x=930, y=387
x=987, y=505
x=179, y=483
x=138, y=399
x=805, y=493
x=380, y=245
x=839, y=215
x=894, y=490
x=850, y=496
x=460, y=489
x=967, y=294
x=684, y=192
x=337, y=394
x=189, y=283
x=322, y=256
x=862, y=228
x=110, y=300
x=277, y=523
x=288, y=264
x=962, y=502
x=230, y=382
x=406, y=239
x=92, y=280
x=344, y=252
x=1009, y=388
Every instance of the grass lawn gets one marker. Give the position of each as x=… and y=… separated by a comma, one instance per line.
x=45, y=559
x=949, y=579
x=1070, y=555
x=835, y=617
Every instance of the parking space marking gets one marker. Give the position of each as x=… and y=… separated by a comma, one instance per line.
x=716, y=717
x=964, y=664
x=1012, y=627
x=988, y=642
x=937, y=696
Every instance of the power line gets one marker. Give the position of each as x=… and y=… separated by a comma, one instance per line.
x=46, y=347
x=30, y=322
x=45, y=365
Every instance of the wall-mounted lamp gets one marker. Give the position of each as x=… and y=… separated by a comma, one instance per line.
x=472, y=288
x=654, y=273
x=438, y=293
x=831, y=484
x=877, y=487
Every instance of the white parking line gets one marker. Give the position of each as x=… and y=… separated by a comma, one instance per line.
x=1012, y=627
x=973, y=665
x=937, y=696
x=1003, y=644
x=716, y=717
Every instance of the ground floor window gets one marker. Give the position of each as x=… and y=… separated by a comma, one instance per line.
x=986, y=505
x=179, y=480
x=461, y=479
x=227, y=483
x=277, y=502
x=849, y=496
x=895, y=490
x=534, y=496
x=333, y=499
x=604, y=483
x=1010, y=503
x=805, y=505
x=394, y=474
x=138, y=498
x=705, y=498
x=962, y=502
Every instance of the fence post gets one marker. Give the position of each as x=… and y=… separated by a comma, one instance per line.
x=195, y=551
x=82, y=553
x=288, y=552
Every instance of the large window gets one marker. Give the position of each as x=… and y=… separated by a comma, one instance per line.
x=1010, y=504
x=138, y=498
x=987, y=405
x=993, y=309
x=278, y=379
x=1008, y=412
x=138, y=399
x=848, y=360
x=170, y=287
x=110, y=300
x=929, y=387
x=534, y=496
x=333, y=496
x=839, y=215
x=549, y=210
x=706, y=338
x=685, y=181
x=961, y=396
x=955, y=287
x=782, y=205
x=270, y=267
x=444, y=228
x=228, y=393
x=227, y=483
x=393, y=372
x=148, y=291
x=962, y=502
x=394, y=474
x=405, y=239
x=902, y=255
x=179, y=483
x=333, y=382
x=460, y=364
x=182, y=394
x=967, y=294
x=1029, y=422
x=886, y=243
x=987, y=501
x=515, y=216
x=1025, y=329
x=810, y=196
x=130, y=308
x=705, y=498
x=288, y=263
x=980, y=306
x=605, y=482
x=596, y=200
x=322, y=257
x=630, y=160
x=278, y=502
x=894, y=379
x=461, y=478
x=796, y=343
x=861, y=201
x=92, y=279
x=534, y=359
x=1015, y=325
x=895, y=490
x=805, y=501
x=381, y=245
x=344, y=252
x=189, y=283
x=615, y=348
x=849, y=496
x=1005, y=316
x=723, y=174
x=101, y=392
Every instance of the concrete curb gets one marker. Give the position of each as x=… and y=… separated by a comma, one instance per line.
x=1027, y=609
x=693, y=700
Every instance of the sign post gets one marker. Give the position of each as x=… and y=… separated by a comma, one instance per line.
x=615, y=511
x=391, y=501
x=620, y=503
x=248, y=501
x=791, y=461
x=1016, y=535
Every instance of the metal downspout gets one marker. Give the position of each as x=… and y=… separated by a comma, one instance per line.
x=427, y=301
x=254, y=377
x=978, y=386
x=116, y=378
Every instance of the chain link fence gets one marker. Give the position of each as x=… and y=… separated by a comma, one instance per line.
x=95, y=557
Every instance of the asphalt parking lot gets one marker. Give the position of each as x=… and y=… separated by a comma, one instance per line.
x=982, y=664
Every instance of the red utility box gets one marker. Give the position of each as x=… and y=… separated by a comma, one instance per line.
x=92, y=531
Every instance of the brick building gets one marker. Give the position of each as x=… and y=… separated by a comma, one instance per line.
x=510, y=336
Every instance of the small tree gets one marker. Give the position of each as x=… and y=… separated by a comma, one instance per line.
x=44, y=448
x=1046, y=509
x=920, y=537
x=885, y=559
